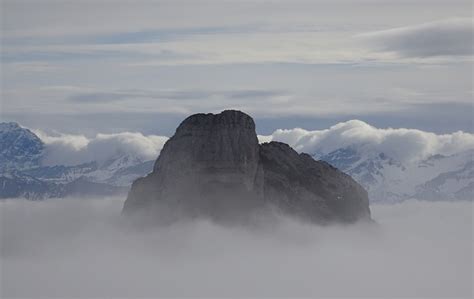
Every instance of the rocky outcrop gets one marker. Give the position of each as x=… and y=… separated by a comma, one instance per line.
x=313, y=190
x=213, y=166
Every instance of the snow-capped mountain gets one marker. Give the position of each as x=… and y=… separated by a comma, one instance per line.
x=389, y=180
x=17, y=184
x=119, y=171
x=22, y=173
x=19, y=148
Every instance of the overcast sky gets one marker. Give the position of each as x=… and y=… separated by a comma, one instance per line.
x=112, y=66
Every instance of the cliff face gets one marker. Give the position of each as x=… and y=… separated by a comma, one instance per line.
x=213, y=166
x=310, y=189
x=209, y=167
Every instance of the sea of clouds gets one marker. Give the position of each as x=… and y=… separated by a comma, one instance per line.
x=402, y=144
x=85, y=248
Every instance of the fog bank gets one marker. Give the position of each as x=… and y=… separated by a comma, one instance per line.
x=82, y=248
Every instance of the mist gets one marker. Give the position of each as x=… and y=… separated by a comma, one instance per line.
x=84, y=248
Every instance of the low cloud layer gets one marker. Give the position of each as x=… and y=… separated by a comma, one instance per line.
x=402, y=144
x=82, y=248
x=453, y=37
x=75, y=149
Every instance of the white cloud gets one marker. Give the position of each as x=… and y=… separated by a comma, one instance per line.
x=81, y=248
x=452, y=37
x=75, y=149
x=402, y=144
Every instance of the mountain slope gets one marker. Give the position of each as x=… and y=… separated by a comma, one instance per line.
x=19, y=148
x=388, y=180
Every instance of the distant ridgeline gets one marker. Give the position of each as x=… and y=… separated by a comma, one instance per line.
x=23, y=173
x=214, y=166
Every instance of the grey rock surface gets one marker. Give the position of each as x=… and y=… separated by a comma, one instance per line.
x=310, y=189
x=214, y=166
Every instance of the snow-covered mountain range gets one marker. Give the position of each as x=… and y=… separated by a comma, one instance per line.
x=393, y=164
x=391, y=169
x=387, y=179
x=23, y=174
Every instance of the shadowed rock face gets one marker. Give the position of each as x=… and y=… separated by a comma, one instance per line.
x=314, y=190
x=213, y=166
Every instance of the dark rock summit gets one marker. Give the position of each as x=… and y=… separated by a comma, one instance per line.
x=213, y=166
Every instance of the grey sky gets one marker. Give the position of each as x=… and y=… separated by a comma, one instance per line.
x=85, y=66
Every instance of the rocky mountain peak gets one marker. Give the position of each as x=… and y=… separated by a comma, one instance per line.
x=226, y=119
x=214, y=167
x=19, y=147
x=8, y=126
